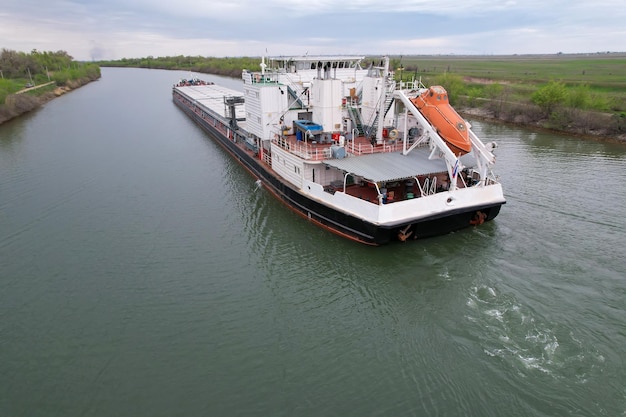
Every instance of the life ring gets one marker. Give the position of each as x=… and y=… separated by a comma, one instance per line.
x=393, y=134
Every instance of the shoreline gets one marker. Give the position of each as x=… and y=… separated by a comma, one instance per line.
x=486, y=115
x=19, y=104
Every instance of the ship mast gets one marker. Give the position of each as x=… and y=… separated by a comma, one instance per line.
x=263, y=65
x=381, y=106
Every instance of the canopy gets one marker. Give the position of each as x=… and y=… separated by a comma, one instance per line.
x=387, y=167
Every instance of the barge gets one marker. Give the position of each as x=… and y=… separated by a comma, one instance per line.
x=350, y=149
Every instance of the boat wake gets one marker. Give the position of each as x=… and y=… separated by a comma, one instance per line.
x=509, y=331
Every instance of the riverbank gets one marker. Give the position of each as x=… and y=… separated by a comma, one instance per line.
x=20, y=103
x=582, y=124
x=594, y=126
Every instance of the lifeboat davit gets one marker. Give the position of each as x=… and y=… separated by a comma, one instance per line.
x=433, y=104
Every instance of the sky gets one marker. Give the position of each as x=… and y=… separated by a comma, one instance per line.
x=115, y=29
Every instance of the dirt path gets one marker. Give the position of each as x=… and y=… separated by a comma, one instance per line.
x=33, y=88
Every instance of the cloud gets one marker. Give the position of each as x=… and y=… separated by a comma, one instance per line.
x=113, y=29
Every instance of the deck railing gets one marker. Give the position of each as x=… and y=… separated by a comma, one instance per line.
x=304, y=150
x=367, y=148
x=317, y=152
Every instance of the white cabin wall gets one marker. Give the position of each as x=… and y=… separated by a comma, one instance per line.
x=252, y=96
x=323, y=176
x=269, y=98
x=326, y=98
x=287, y=165
x=294, y=169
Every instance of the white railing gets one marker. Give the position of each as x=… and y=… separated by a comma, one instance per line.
x=316, y=152
x=304, y=150
x=366, y=148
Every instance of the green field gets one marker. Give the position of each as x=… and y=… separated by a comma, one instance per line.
x=607, y=70
x=604, y=75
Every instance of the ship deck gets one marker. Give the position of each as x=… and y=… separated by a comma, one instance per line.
x=322, y=147
x=212, y=97
x=398, y=177
x=398, y=190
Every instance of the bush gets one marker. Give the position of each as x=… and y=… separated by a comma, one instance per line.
x=473, y=94
x=5, y=89
x=453, y=84
x=550, y=96
x=578, y=97
x=601, y=103
x=619, y=122
x=498, y=96
x=494, y=91
x=60, y=77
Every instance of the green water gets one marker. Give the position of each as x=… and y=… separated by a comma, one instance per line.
x=143, y=273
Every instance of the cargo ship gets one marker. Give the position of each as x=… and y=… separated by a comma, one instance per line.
x=350, y=149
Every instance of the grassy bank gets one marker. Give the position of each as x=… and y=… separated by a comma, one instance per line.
x=15, y=103
x=31, y=79
x=603, y=75
x=582, y=94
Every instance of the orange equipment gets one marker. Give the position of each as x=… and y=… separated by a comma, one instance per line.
x=433, y=104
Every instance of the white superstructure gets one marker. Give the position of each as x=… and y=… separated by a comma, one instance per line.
x=352, y=143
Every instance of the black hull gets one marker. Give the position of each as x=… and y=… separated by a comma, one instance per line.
x=336, y=221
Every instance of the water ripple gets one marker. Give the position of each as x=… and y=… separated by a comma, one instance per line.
x=512, y=332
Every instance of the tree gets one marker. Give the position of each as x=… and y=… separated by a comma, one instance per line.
x=454, y=85
x=550, y=96
x=15, y=64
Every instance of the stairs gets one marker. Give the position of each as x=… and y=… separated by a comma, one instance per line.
x=357, y=121
x=294, y=95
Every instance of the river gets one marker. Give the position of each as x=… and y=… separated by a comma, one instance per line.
x=143, y=273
